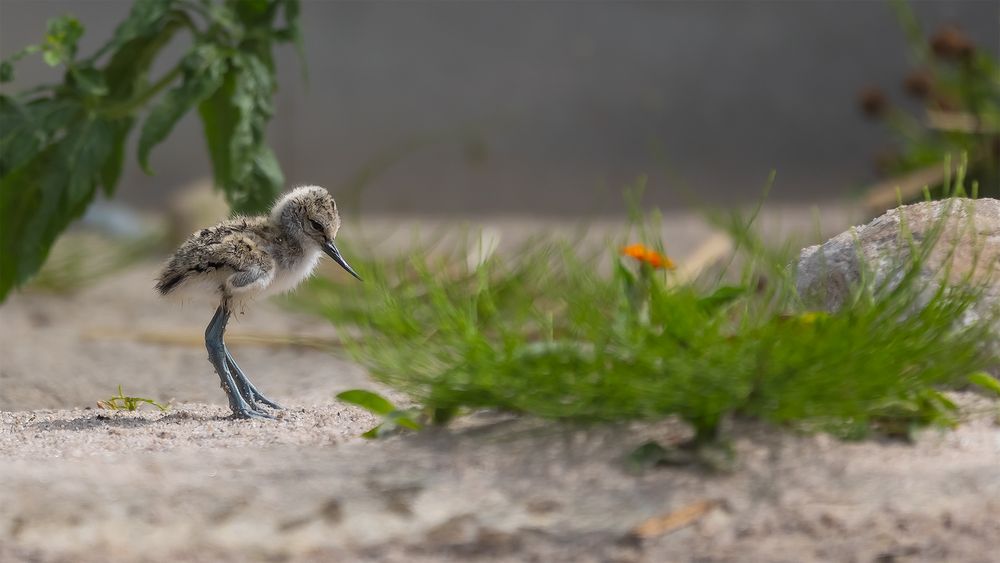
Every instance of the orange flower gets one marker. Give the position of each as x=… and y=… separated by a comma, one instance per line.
x=648, y=256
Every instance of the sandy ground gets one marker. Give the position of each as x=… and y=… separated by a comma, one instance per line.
x=80, y=484
x=192, y=486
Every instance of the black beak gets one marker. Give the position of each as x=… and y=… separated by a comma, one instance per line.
x=332, y=252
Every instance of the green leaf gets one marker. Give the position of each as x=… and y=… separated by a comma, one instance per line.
x=112, y=168
x=373, y=434
x=403, y=419
x=623, y=273
x=89, y=80
x=25, y=129
x=6, y=71
x=721, y=297
x=20, y=138
x=986, y=381
x=252, y=93
x=218, y=118
x=40, y=199
x=254, y=11
x=82, y=153
x=369, y=401
x=203, y=73
x=223, y=18
x=53, y=57
x=147, y=18
x=940, y=401
x=234, y=120
x=127, y=72
x=259, y=190
x=61, y=39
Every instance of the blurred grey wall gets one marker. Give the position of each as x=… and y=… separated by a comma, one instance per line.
x=551, y=107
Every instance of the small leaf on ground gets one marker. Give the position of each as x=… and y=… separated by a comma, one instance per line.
x=985, y=381
x=372, y=402
x=673, y=521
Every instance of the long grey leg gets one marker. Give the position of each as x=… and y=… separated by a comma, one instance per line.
x=250, y=392
x=241, y=383
x=217, y=355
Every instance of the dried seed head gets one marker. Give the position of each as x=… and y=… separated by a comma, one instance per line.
x=945, y=103
x=951, y=44
x=919, y=83
x=873, y=102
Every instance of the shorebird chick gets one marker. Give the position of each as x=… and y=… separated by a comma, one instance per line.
x=248, y=257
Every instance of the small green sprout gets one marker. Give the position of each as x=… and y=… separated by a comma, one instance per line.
x=122, y=402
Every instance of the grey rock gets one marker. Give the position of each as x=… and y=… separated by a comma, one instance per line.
x=966, y=252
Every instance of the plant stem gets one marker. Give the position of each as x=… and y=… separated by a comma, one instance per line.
x=126, y=108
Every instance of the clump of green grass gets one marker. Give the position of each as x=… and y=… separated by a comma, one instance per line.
x=552, y=333
x=123, y=402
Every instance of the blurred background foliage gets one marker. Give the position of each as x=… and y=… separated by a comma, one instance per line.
x=400, y=121
x=956, y=85
x=61, y=142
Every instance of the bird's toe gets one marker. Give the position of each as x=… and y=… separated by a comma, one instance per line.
x=269, y=402
x=251, y=413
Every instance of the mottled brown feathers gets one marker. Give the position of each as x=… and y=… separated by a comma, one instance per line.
x=256, y=255
x=237, y=245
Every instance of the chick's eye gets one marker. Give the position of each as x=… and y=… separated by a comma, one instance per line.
x=316, y=225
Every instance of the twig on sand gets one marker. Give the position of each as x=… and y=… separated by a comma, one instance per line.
x=672, y=521
x=185, y=338
x=885, y=194
x=958, y=121
x=717, y=247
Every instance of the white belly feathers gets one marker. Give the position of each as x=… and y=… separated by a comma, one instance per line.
x=286, y=279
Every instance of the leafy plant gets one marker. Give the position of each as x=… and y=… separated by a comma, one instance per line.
x=393, y=417
x=122, y=402
x=957, y=86
x=548, y=334
x=60, y=142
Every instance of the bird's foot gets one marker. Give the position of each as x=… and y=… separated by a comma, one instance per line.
x=247, y=397
x=247, y=389
x=247, y=413
x=258, y=397
x=238, y=389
